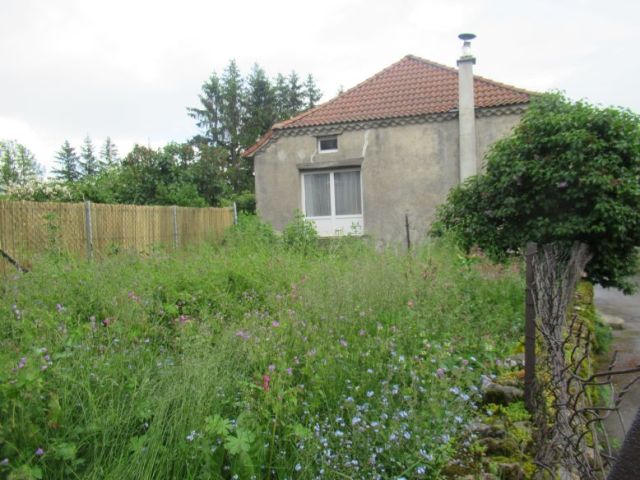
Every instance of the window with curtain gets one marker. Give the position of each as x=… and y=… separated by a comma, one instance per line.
x=329, y=194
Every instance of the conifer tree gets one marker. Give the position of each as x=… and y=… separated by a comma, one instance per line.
x=67, y=160
x=259, y=106
x=109, y=153
x=296, y=100
x=312, y=93
x=89, y=164
x=232, y=91
x=209, y=117
x=281, y=97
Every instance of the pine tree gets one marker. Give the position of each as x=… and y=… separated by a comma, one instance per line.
x=209, y=118
x=259, y=106
x=17, y=164
x=312, y=93
x=109, y=153
x=88, y=163
x=281, y=93
x=67, y=159
x=295, y=103
x=232, y=93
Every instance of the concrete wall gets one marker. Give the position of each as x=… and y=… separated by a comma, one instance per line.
x=405, y=170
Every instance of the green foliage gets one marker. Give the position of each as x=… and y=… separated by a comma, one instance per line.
x=88, y=163
x=68, y=163
x=569, y=172
x=18, y=166
x=247, y=358
x=300, y=234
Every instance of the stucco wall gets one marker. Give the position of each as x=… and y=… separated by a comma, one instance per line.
x=405, y=170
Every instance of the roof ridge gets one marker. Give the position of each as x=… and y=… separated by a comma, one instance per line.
x=288, y=121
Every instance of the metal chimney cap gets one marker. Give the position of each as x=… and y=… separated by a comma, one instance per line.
x=467, y=36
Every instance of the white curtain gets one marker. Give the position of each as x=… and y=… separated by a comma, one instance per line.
x=317, y=201
x=347, y=190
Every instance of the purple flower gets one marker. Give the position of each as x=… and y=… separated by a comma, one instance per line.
x=440, y=372
x=39, y=452
x=59, y=307
x=22, y=363
x=243, y=334
x=290, y=371
x=272, y=368
x=275, y=324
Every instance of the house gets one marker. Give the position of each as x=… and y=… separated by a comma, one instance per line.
x=386, y=152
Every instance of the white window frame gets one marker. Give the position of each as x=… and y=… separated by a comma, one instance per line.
x=335, y=225
x=327, y=137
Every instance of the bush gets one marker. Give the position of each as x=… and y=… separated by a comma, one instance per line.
x=300, y=234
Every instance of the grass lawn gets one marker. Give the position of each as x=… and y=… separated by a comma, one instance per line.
x=250, y=359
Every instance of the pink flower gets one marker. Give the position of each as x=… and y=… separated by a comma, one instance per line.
x=465, y=362
x=266, y=380
x=22, y=363
x=440, y=372
x=184, y=319
x=275, y=324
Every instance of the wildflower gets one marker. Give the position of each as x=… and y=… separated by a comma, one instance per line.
x=421, y=470
x=43, y=367
x=266, y=380
x=289, y=371
x=343, y=342
x=22, y=363
x=369, y=370
x=191, y=437
x=406, y=435
x=107, y=321
x=272, y=368
x=355, y=420
x=243, y=334
x=465, y=362
x=298, y=467
x=16, y=312
x=440, y=372
x=458, y=419
x=184, y=319
x=454, y=390
x=362, y=332
x=401, y=358
x=59, y=307
x=411, y=304
x=4, y=462
x=39, y=452
x=464, y=397
x=370, y=393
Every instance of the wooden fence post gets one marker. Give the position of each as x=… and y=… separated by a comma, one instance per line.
x=88, y=228
x=175, y=227
x=530, y=332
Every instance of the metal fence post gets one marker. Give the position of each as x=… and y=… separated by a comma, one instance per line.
x=175, y=227
x=530, y=332
x=88, y=229
x=235, y=213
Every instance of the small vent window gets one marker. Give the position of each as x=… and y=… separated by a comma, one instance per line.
x=328, y=144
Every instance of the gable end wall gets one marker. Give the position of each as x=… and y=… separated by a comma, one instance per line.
x=406, y=169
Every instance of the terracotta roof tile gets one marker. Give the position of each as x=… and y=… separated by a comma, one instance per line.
x=410, y=87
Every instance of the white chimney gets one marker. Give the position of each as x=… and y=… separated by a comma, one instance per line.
x=466, y=109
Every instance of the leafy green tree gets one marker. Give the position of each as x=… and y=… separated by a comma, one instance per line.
x=17, y=164
x=312, y=93
x=67, y=160
x=88, y=163
x=568, y=173
x=109, y=153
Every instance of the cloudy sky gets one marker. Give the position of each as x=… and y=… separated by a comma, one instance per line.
x=129, y=68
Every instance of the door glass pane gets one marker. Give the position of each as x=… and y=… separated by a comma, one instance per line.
x=316, y=195
x=347, y=188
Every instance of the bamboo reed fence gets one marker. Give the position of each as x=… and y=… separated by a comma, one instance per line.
x=28, y=229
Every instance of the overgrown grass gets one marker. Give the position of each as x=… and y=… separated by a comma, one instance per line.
x=251, y=359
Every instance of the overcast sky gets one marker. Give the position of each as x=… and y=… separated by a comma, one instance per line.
x=129, y=68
